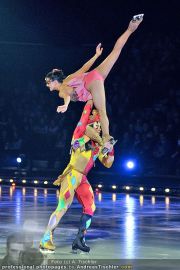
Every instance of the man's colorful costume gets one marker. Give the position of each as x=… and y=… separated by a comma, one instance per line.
x=74, y=181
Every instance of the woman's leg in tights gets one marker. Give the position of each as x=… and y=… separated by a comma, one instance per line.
x=98, y=93
x=97, y=87
x=105, y=67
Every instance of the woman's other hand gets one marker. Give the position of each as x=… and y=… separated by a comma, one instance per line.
x=62, y=108
x=99, y=50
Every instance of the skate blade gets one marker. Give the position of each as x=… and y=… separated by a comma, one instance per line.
x=114, y=142
x=79, y=252
x=106, y=150
x=46, y=251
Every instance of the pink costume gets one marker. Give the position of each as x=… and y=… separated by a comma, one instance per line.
x=81, y=83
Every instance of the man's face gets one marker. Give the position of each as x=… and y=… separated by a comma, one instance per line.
x=97, y=127
x=14, y=252
x=52, y=85
x=94, y=112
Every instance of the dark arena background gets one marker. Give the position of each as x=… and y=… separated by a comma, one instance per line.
x=136, y=223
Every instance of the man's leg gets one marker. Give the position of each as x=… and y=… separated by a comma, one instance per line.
x=67, y=190
x=85, y=196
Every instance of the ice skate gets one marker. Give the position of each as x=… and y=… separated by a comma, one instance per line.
x=79, y=244
x=46, y=245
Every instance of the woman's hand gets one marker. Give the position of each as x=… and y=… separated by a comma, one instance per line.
x=99, y=50
x=62, y=108
x=133, y=25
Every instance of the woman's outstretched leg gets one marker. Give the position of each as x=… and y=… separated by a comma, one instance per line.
x=105, y=67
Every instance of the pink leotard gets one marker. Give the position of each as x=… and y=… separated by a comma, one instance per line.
x=80, y=85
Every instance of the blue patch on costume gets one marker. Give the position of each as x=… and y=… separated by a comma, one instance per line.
x=52, y=221
x=79, y=124
x=46, y=237
x=88, y=223
x=73, y=180
x=95, y=157
x=75, y=145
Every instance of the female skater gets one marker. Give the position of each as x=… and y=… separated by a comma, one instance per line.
x=83, y=86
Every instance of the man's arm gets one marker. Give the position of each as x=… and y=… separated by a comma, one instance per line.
x=107, y=160
x=81, y=126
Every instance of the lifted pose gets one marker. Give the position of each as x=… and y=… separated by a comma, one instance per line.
x=83, y=85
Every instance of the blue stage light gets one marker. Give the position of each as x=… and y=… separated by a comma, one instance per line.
x=130, y=164
x=19, y=160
